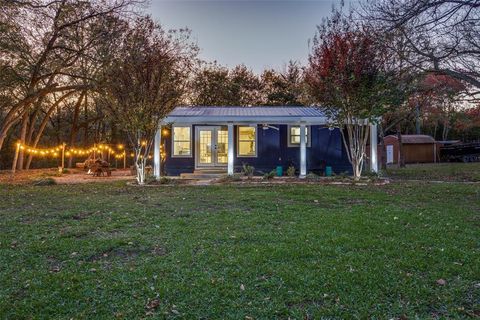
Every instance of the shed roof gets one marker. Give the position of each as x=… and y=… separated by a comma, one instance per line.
x=415, y=138
x=280, y=114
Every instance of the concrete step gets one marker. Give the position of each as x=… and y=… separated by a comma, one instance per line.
x=209, y=173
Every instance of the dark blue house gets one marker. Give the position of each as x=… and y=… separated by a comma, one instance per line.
x=224, y=138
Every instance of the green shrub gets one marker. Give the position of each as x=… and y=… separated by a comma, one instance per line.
x=291, y=171
x=248, y=170
x=164, y=180
x=312, y=176
x=149, y=179
x=269, y=175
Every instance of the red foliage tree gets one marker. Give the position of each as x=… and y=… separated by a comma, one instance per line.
x=346, y=76
x=442, y=92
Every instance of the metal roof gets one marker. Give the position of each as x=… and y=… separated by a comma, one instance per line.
x=280, y=114
x=260, y=111
x=415, y=138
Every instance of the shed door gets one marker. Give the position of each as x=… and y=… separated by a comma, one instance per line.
x=389, y=153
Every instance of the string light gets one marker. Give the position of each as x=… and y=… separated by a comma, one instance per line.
x=53, y=152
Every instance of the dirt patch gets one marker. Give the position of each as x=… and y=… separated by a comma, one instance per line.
x=73, y=176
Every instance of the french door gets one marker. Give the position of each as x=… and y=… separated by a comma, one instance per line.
x=211, y=146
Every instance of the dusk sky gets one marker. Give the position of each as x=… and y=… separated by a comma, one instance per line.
x=260, y=34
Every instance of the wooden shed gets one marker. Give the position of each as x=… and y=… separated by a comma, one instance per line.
x=417, y=148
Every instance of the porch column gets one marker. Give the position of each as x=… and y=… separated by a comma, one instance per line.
x=156, y=152
x=303, y=151
x=373, y=148
x=230, y=153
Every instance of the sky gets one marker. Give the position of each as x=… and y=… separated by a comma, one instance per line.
x=260, y=34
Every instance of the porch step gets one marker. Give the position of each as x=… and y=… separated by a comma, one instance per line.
x=210, y=171
x=204, y=174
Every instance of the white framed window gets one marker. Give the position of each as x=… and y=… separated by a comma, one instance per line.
x=294, y=136
x=182, y=141
x=247, y=141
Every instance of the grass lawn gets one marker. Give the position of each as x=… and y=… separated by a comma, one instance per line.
x=437, y=171
x=216, y=252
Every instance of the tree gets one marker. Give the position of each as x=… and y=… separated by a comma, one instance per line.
x=284, y=88
x=443, y=94
x=146, y=79
x=346, y=76
x=214, y=85
x=211, y=86
x=442, y=37
x=41, y=47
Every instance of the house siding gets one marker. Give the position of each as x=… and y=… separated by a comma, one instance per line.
x=272, y=150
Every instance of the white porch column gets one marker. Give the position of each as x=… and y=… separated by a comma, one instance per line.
x=156, y=153
x=373, y=148
x=230, y=154
x=303, y=151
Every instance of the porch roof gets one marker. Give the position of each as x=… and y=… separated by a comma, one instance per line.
x=256, y=114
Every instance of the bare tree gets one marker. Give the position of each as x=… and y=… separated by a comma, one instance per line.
x=441, y=36
x=41, y=46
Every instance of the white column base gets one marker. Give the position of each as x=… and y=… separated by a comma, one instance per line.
x=373, y=148
x=303, y=151
x=230, y=154
x=156, y=153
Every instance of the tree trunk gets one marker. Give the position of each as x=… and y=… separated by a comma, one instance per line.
x=401, y=160
x=73, y=132
x=445, y=130
x=23, y=135
x=357, y=133
x=44, y=124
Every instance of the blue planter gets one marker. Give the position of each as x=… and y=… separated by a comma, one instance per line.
x=279, y=171
x=328, y=171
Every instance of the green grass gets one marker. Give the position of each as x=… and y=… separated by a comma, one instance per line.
x=437, y=171
x=103, y=251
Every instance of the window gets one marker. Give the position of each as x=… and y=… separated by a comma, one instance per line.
x=182, y=142
x=247, y=141
x=294, y=136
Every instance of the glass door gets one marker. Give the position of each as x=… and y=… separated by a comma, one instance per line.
x=212, y=146
x=205, y=148
x=221, y=146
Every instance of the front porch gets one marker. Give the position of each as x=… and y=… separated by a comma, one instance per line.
x=195, y=139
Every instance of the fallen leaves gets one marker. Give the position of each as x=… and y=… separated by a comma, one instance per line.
x=441, y=282
x=152, y=304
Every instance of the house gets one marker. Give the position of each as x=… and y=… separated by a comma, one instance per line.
x=417, y=148
x=197, y=138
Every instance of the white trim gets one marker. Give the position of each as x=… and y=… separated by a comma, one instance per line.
x=173, y=141
x=156, y=153
x=214, y=164
x=303, y=152
x=256, y=141
x=373, y=148
x=231, y=148
x=297, y=145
